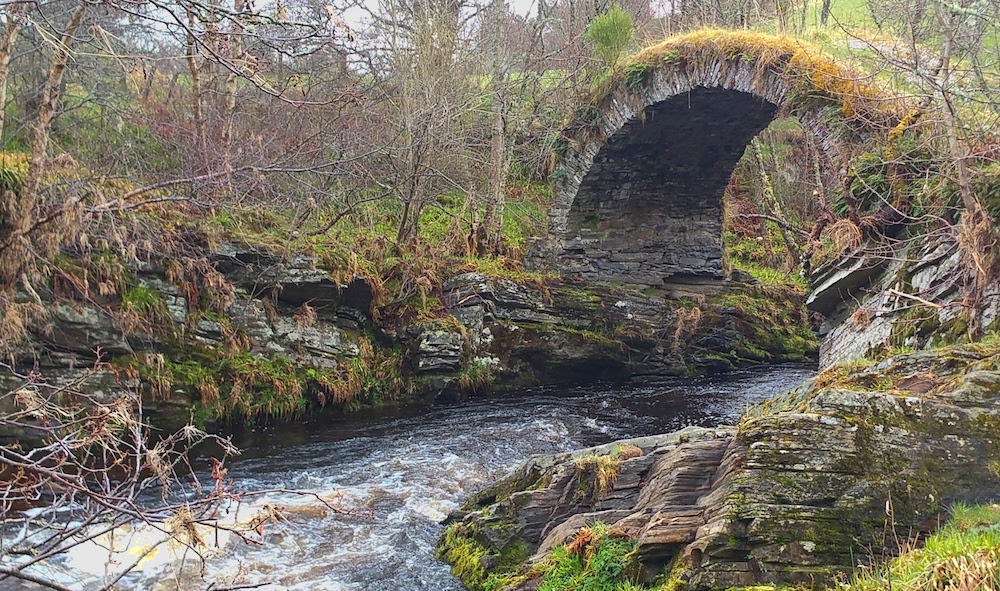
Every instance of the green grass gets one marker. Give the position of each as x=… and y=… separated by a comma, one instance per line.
x=598, y=565
x=964, y=554
x=147, y=303
x=760, y=257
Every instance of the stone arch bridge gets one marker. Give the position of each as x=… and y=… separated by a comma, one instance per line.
x=641, y=171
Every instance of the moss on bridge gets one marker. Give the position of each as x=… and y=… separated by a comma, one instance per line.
x=810, y=74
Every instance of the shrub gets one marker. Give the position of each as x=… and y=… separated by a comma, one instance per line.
x=611, y=35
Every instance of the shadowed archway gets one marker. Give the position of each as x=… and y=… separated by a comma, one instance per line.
x=642, y=171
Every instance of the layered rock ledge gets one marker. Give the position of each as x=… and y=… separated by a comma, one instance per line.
x=298, y=337
x=806, y=487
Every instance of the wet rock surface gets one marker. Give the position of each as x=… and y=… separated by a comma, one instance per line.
x=798, y=493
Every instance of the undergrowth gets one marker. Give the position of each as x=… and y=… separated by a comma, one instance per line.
x=964, y=554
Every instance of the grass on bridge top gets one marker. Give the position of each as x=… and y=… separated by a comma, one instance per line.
x=812, y=73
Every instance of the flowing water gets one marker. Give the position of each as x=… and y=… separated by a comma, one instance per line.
x=410, y=471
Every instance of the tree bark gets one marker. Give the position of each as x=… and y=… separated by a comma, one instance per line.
x=791, y=249
x=16, y=14
x=196, y=110
x=229, y=100
x=40, y=131
x=493, y=216
x=950, y=126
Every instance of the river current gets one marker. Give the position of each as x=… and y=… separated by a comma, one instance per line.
x=409, y=471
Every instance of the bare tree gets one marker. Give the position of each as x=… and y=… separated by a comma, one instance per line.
x=94, y=465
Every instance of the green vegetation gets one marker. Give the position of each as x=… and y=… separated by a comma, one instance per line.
x=964, y=554
x=145, y=306
x=406, y=276
x=773, y=322
x=601, y=470
x=236, y=385
x=595, y=561
x=13, y=170
x=611, y=35
x=467, y=557
x=761, y=257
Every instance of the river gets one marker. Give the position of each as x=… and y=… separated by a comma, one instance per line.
x=411, y=470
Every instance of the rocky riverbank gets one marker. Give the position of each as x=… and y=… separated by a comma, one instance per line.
x=806, y=487
x=243, y=334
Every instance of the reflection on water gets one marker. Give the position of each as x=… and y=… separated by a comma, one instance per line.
x=412, y=470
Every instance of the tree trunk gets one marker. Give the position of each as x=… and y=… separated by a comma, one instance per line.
x=196, y=110
x=791, y=249
x=824, y=14
x=493, y=216
x=950, y=127
x=148, y=88
x=16, y=14
x=171, y=86
x=40, y=132
x=229, y=100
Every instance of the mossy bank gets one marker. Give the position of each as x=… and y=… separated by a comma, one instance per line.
x=244, y=335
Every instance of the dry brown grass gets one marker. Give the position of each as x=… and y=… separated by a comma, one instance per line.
x=305, y=317
x=17, y=319
x=688, y=320
x=846, y=235
x=629, y=451
x=862, y=317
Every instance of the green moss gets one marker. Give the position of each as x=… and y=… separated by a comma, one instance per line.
x=465, y=556
x=772, y=320
x=953, y=331
x=816, y=81
x=468, y=558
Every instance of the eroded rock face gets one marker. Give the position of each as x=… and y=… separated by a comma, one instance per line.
x=578, y=333
x=868, y=298
x=796, y=494
x=492, y=332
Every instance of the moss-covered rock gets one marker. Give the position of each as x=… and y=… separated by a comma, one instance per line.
x=804, y=490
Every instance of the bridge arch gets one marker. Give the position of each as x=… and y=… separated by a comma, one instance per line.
x=641, y=170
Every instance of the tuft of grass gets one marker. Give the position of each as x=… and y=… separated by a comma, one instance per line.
x=13, y=170
x=475, y=377
x=146, y=302
x=605, y=468
x=596, y=560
